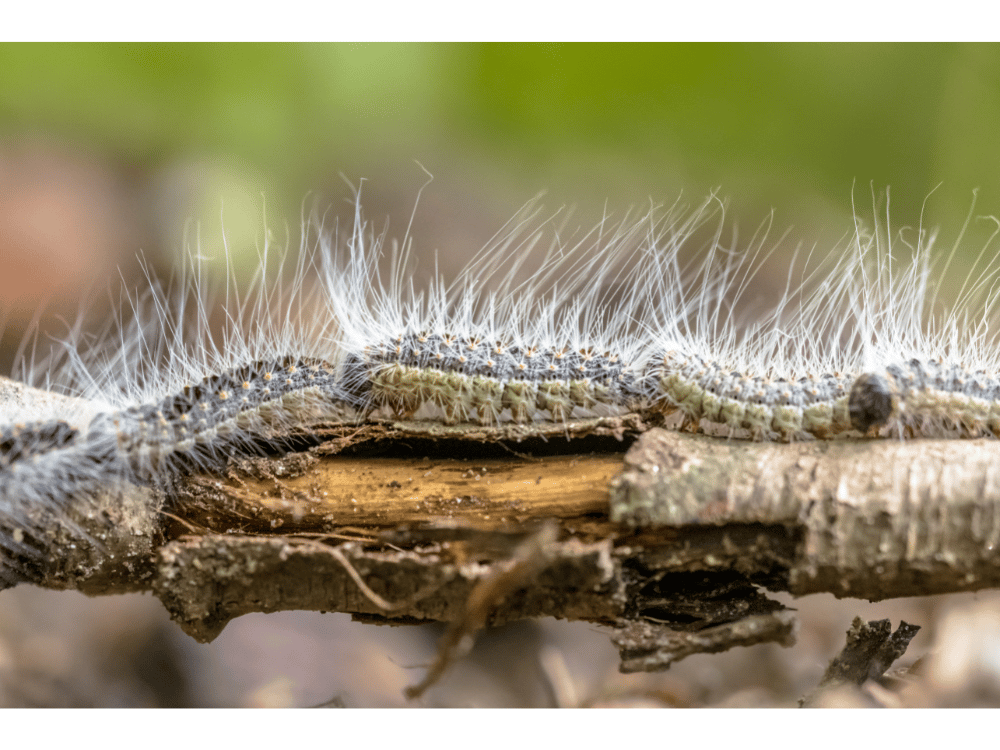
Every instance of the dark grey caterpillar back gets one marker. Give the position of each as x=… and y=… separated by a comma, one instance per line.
x=766, y=407
x=48, y=460
x=44, y=467
x=22, y=441
x=930, y=398
x=469, y=378
x=232, y=410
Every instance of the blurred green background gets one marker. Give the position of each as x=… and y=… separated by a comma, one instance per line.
x=106, y=149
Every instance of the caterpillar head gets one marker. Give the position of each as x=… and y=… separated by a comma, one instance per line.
x=872, y=402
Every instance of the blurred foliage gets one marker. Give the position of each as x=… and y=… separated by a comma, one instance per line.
x=789, y=126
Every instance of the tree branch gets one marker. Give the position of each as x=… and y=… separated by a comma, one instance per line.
x=669, y=545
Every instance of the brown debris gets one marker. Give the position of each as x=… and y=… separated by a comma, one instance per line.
x=650, y=647
x=484, y=598
x=870, y=650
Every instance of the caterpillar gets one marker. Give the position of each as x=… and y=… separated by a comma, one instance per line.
x=646, y=315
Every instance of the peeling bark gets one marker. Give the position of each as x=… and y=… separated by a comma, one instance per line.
x=873, y=519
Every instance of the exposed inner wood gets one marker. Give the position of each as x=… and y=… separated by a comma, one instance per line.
x=308, y=494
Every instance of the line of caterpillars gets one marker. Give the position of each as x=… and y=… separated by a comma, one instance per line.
x=471, y=381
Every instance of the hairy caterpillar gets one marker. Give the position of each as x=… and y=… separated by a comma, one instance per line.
x=640, y=316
